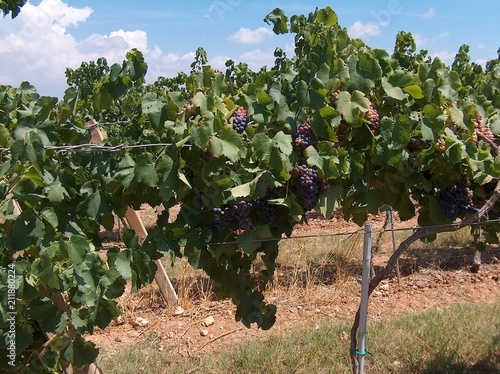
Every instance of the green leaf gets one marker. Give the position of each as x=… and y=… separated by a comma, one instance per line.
x=105, y=312
x=136, y=66
x=125, y=171
x=80, y=352
x=24, y=337
x=97, y=205
x=302, y=93
x=246, y=189
x=228, y=144
x=352, y=108
x=330, y=201
x=279, y=20
x=201, y=135
x=415, y=91
x=113, y=284
x=56, y=192
x=43, y=268
x=433, y=125
x=494, y=124
x=49, y=215
x=391, y=91
x=155, y=109
x=144, y=171
x=327, y=17
x=252, y=241
x=78, y=247
x=46, y=312
x=120, y=260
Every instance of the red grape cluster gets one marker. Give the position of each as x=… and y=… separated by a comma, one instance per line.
x=334, y=95
x=240, y=119
x=302, y=137
x=441, y=145
x=189, y=109
x=371, y=115
x=482, y=128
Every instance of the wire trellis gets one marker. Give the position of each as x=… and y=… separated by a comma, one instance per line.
x=352, y=233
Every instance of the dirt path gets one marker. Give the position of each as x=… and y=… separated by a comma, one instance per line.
x=428, y=281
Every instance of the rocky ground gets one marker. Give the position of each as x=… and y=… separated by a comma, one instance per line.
x=427, y=280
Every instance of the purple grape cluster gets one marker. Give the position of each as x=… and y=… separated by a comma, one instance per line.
x=453, y=200
x=309, y=185
x=302, y=137
x=371, y=115
x=221, y=218
x=225, y=215
x=240, y=119
x=242, y=212
x=268, y=211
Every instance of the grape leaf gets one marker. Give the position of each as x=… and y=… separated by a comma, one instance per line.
x=80, y=352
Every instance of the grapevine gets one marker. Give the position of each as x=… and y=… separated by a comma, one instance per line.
x=400, y=132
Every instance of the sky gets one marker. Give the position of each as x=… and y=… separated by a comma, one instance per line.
x=49, y=36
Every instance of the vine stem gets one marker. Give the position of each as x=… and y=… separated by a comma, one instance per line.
x=418, y=234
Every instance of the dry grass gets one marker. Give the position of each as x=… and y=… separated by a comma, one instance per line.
x=309, y=265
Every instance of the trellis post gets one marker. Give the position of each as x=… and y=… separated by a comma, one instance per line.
x=136, y=224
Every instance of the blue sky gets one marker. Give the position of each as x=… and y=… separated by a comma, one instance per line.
x=50, y=35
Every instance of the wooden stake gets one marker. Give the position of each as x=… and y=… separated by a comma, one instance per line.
x=161, y=277
x=136, y=224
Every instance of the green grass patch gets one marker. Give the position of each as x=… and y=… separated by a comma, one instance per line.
x=461, y=339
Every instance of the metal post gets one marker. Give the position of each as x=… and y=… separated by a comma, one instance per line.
x=398, y=274
x=367, y=250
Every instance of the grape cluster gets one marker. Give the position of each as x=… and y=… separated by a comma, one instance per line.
x=302, y=137
x=221, y=218
x=268, y=211
x=334, y=95
x=309, y=185
x=482, y=128
x=189, y=109
x=240, y=119
x=371, y=115
x=453, y=199
x=441, y=145
x=240, y=212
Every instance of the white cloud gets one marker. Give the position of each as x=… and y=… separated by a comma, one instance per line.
x=445, y=56
x=37, y=47
x=364, y=30
x=420, y=41
x=135, y=39
x=219, y=62
x=426, y=43
x=248, y=36
x=429, y=14
x=481, y=62
x=257, y=58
